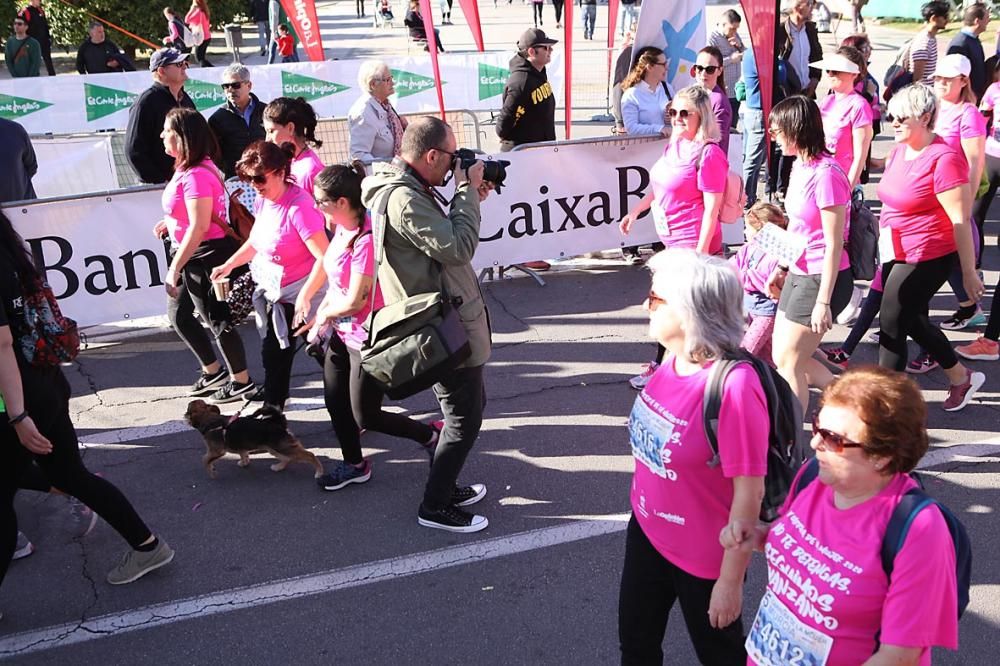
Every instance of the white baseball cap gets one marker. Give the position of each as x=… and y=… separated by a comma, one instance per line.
x=952, y=65
x=836, y=63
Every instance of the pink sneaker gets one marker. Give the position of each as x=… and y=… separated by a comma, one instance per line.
x=639, y=381
x=959, y=396
x=982, y=349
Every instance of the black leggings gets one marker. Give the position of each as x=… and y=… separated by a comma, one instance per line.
x=47, y=400
x=201, y=52
x=905, y=304
x=650, y=585
x=869, y=308
x=354, y=402
x=277, y=361
x=196, y=293
x=557, y=6
x=537, y=8
x=982, y=205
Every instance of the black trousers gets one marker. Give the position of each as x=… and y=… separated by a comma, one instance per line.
x=981, y=207
x=462, y=397
x=650, y=586
x=47, y=396
x=47, y=56
x=557, y=7
x=201, y=52
x=277, y=361
x=905, y=305
x=354, y=401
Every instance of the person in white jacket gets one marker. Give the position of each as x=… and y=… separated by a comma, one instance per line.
x=375, y=127
x=647, y=94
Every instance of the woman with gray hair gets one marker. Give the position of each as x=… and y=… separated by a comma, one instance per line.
x=680, y=503
x=375, y=126
x=686, y=186
x=925, y=231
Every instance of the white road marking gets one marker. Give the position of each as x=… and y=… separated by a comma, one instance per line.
x=309, y=585
x=958, y=453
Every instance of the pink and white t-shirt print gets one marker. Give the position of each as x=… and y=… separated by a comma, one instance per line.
x=281, y=230
x=842, y=114
x=812, y=187
x=827, y=591
x=678, y=186
x=679, y=501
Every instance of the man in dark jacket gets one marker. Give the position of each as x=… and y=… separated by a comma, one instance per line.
x=241, y=121
x=17, y=163
x=966, y=42
x=798, y=45
x=99, y=55
x=529, y=105
x=38, y=27
x=143, y=146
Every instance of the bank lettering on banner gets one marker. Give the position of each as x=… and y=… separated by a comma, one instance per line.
x=17, y=107
x=101, y=101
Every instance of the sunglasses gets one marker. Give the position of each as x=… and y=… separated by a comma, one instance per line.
x=891, y=119
x=773, y=132
x=235, y=85
x=257, y=179
x=708, y=69
x=654, y=301
x=832, y=441
x=322, y=202
x=833, y=72
x=682, y=114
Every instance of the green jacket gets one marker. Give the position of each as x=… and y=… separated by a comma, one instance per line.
x=427, y=250
x=25, y=61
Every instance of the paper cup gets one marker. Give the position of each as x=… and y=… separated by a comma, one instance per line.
x=221, y=288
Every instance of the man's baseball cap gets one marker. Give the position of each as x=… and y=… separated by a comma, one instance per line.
x=165, y=57
x=533, y=37
x=952, y=65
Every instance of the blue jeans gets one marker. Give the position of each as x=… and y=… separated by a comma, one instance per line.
x=263, y=35
x=589, y=18
x=753, y=150
x=630, y=13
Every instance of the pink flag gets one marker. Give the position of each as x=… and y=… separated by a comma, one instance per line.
x=471, y=10
x=432, y=47
x=568, y=31
x=761, y=16
x=302, y=14
x=612, y=22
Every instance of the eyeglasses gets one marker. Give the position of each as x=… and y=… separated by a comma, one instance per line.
x=653, y=301
x=384, y=79
x=892, y=120
x=179, y=65
x=682, y=113
x=832, y=441
x=235, y=85
x=708, y=69
x=661, y=63
x=773, y=132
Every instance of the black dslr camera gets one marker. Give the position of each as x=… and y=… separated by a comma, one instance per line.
x=494, y=171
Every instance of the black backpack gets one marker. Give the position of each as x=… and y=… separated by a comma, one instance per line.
x=786, y=450
x=914, y=501
x=861, y=241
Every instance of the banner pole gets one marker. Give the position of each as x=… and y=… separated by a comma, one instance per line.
x=432, y=48
x=568, y=92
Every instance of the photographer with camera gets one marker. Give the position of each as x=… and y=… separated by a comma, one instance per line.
x=427, y=249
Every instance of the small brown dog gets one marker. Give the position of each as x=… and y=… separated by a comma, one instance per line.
x=264, y=429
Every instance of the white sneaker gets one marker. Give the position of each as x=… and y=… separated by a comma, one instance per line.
x=639, y=381
x=850, y=313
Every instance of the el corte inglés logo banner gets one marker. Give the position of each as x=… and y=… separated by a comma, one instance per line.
x=101, y=101
x=17, y=107
x=297, y=85
x=491, y=80
x=408, y=83
x=204, y=95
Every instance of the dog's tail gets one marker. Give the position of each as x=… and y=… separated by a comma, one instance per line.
x=272, y=414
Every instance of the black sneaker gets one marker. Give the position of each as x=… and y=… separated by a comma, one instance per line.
x=468, y=495
x=207, y=383
x=451, y=519
x=232, y=392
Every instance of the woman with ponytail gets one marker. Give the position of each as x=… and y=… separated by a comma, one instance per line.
x=288, y=120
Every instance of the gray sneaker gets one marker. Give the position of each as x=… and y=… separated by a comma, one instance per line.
x=135, y=564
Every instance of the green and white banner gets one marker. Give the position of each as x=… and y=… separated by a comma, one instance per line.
x=72, y=104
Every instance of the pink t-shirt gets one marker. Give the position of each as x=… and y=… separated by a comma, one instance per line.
x=755, y=266
x=812, y=187
x=959, y=121
x=305, y=168
x=340, y=262
x=908, y=190
x=281, y=229
x=677, y=182
x=680, y=502
x=990, y=99
x=825, y=572
x=198, y=182
x=842, y=114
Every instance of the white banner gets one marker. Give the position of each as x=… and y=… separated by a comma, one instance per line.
x=104, y=264
x=92, y=102
x=677, y=27
x=68, y=166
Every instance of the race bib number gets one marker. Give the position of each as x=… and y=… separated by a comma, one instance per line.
x=345, y=324
x=785, y=246
x=660, y=220
x=267, y=275
x=779, y=638
x=651, y=436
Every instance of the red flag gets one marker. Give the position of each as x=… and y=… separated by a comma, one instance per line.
x=612, y=23
x=568, y=31
x=470, y=8
x=762, y=15
x=425, y=10
x=302, y=14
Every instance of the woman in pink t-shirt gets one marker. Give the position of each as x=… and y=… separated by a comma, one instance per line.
x=828, y=599
x=925, y=231
x=682, y=496
x=293, y=120
x=353, y=400
x=818, y=285
x=686, y=186
x=285, y=251
x=961, y=125
x=847, y=115
x=195, y=208
x=200, y=16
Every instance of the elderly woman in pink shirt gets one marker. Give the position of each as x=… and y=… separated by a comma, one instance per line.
x=686, y=186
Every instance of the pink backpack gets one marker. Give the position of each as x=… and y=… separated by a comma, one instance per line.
x=734, y=196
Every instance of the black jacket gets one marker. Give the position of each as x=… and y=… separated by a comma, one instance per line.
x=93, y=58
x=972, y=49
x=17, y=162
x=38, y=25
x=143, y=145
x=529, y=105
x=257, y=10
x=784, y=41
x=234, y=134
